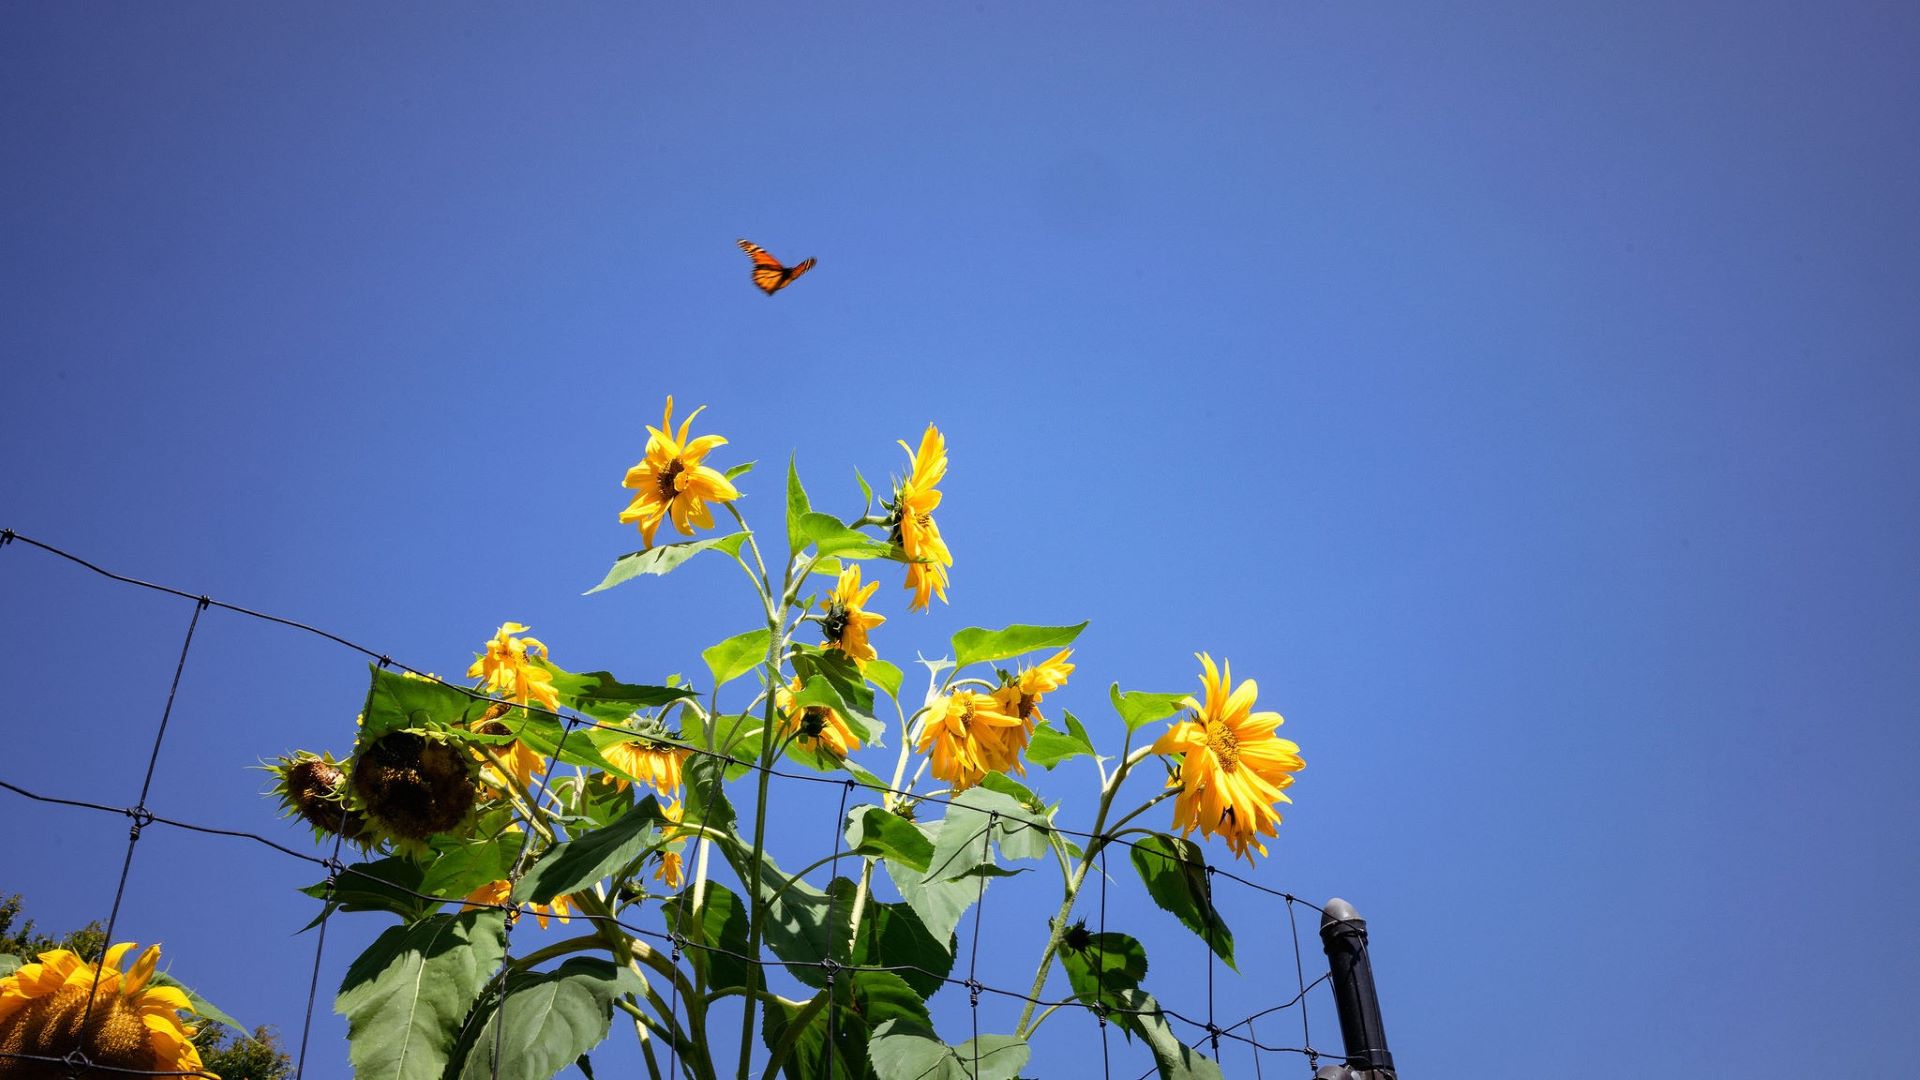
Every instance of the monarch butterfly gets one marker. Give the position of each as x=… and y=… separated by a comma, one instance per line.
x=767, y=271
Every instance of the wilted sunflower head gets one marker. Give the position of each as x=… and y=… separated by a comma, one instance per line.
x=134, y=1026
x=313, y=787
x=414, y=787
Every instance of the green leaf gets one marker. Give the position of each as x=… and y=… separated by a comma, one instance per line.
x=737, y=655
x=376, y=886
x=905, y=1050
x=456, y=872
x=1103, y=966
x=1137, y=707
x=1175, y=873
x=838, y=669
x=1140, y=1015
x=866, y=493
x=876, y=832
x=891, y=934
x=575, y=864
x=9, y=964
x=798, y=507
x=974, y=645
x=396, y=701
x=548, y=1020
x=599, y=695
x=1047, y=747
x=405, y=997
x=861, y=999
x=202, y=1008
x=659, y=560
x=886, y=677
x=706, y=801
x=962, y=842
x=740, y=470
x=831, y=537
x=722, y=925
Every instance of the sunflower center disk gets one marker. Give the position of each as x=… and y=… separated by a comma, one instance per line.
x=1224, y=744
x=669, y=479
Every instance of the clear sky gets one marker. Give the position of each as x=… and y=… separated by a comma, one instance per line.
x=1525, y=394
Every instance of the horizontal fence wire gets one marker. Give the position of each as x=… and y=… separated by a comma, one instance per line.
x=337, y=871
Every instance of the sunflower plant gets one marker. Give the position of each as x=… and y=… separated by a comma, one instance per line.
x=631, y=818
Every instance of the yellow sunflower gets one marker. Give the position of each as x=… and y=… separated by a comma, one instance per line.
x=672, y=483
x=135, y=1026
x=846, y=620
x=656, y=763
x=509, y=671
x=1019, y=695
x=816, y=727
x=501, y=892
x=668, y=873
x=524, y=765
x=1233, y=769
x=913, y=525
x=966, y=736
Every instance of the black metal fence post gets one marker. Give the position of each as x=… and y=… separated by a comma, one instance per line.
x=1344, y=934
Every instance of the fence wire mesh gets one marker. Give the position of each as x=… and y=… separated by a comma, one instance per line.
x=1206, y=1029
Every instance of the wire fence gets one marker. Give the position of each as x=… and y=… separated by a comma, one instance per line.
x=1204, y=1030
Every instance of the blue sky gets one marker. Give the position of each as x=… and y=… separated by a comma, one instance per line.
x=1526, y=397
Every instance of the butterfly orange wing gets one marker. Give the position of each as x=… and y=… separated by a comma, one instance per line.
x=768, y=274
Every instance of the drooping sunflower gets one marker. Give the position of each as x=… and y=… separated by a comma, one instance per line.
x=314, y=787
x=1019, y=694
x=501, y=892
x=913, y=526
x=135, y=1026
x=1233, y=768
x=671, y=483
x=846, y=620
x=669, y=870
x=655, y=762
x=523, y=764
x=966, y=736
x=413, y=787
x=509, y=671
x=815, y=727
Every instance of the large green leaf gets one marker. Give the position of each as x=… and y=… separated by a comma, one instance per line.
x=396, y=701
x=974, y=644
x=1048, y=747
x=937, y=902
x=737, y=655
x=706, y=800
x=1175, y=873
x=458, y=871
x=722, y=927
x=575, y=864
x=550, y=1019
x=876, y=832
x=837, y=669
x=1137, y=707
x=405, y=997
x=905, y=1050
x=886, y=676
x=659, y=560
x=385, y=885
x=862, y=999
x=831, y=537
x=1102, y=966
x=1140, y=1014
x=962, y=843
x=798, y=507
x=891, y=935
x=601, y=696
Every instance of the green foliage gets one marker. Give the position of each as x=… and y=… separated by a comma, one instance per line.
x=872, y=831
x=903, y=1050
x=1139, y=1014
x=406, y=996
x=1175, y=874
x=737, y=655
x=975, y=645
x=599, y=696
x=886, y=676
x=255, y=1056
x=1137, y=707
x=722, y=925
x=381, y=885
x=573, y=865
x=1049, y=747
x=1102, y=966
x=861, y=1001
x=661, y=559
x=549, y=1019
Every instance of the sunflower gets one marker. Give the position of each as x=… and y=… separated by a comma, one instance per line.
x=669, y=872
x=671, y=482
x=816, y=726
x=510, y=672
x=1233, y=769
x=524, y=764
x=654, y=762
x=314, y=787
x=1019, y=695
x=496, y=893
x=913, y=525
x=966, y=736
x=846, y=620
x=135, y=1026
